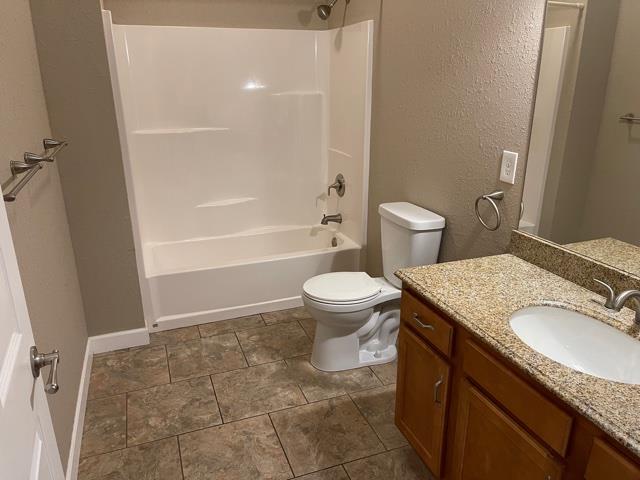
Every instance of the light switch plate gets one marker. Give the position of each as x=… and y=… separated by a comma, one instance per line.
x=509, y=165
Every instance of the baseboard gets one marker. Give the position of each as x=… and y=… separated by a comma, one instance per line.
x=198, y=318
x=117, y=340
x=96, y=344
x=78, y=420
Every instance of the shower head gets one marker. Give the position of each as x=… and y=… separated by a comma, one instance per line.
x=325, y=10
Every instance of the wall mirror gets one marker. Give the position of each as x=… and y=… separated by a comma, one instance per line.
x=582, y=186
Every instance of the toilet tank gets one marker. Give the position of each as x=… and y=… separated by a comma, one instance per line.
x=410, y=237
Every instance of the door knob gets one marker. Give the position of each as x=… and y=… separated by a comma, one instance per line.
x=40, y=360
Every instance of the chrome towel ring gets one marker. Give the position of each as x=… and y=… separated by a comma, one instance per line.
x=491, y=198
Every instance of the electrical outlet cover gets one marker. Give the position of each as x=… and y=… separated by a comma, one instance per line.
x=509, y=166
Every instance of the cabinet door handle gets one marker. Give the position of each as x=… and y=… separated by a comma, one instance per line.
x=428, y=326
x=436, y=390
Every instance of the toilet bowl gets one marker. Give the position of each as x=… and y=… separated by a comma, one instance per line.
x=350, y=309
x=358, y=316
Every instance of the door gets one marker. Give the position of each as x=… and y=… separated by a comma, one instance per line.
x=421, y=399
x=28, y=450
x=490, y=445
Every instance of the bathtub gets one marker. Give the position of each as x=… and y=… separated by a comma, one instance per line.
x=209, y=279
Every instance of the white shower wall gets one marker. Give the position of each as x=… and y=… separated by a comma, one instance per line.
x=233, y=132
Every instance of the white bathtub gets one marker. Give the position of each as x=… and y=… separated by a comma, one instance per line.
x=209, y=279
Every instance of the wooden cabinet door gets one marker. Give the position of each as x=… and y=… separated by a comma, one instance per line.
x=490, y=445
x=606, y=463
x=421, y=399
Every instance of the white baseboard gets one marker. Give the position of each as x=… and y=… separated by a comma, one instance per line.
x=78, y=420
x=96, y=344
x=117, y=340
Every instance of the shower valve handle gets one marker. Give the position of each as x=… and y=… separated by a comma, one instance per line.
x=339, y=185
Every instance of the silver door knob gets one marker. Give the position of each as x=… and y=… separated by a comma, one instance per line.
x=40, y=360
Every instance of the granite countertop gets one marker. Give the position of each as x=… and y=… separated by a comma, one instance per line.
x=611, y=251
x=482, y=293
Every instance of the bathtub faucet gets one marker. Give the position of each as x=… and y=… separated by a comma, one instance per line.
x=337, y=218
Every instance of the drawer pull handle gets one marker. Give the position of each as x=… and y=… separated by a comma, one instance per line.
x=428, y=326
x=436, y=390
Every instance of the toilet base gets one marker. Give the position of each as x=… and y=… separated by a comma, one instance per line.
x=337, y=348
x=387, y=355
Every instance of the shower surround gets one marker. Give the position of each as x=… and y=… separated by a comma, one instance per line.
x=230, y=138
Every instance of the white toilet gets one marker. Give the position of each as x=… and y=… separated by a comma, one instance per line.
x=358, y=316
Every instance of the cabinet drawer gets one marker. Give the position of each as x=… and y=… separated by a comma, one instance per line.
x=426, y=323
x=535, y=411
x=606, y=463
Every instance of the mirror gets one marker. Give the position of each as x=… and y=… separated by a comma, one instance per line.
x=582, y=184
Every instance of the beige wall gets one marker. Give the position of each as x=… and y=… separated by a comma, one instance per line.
x=38, y=220
x=296, y=14
x=453, y=87
x=77, y=85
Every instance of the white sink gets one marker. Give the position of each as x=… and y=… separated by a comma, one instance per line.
x=579, y=342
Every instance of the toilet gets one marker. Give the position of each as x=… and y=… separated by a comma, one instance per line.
x=358, y=316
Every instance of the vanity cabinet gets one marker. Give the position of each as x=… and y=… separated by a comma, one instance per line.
x=470, y=414
x=421, y=405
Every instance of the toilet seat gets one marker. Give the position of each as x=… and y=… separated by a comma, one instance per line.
x=342, y=288
x=385, y=292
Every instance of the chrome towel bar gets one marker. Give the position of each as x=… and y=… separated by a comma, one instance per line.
x=30, y=166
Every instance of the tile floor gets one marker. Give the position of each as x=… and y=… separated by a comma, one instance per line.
x=238, y=399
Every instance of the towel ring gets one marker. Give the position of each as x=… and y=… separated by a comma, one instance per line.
x=491, y=198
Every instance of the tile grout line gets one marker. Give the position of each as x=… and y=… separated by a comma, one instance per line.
x=216, y=398
x=275, y=430
x=244, y=355
x=180, y=456
x=341, y=465
x=126, y=420
x=344, y=469
x=166, y=356
x=368, y=422
x=312, y=338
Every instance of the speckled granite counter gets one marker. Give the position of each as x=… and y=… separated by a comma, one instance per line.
x=611, y=251
x=482, y=293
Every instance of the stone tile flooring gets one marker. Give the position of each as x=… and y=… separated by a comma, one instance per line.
x=239, y=400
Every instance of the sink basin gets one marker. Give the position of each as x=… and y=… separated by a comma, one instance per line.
x=579, y=342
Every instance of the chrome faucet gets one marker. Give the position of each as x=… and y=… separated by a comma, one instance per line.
x=337, y=218
x=616, y=302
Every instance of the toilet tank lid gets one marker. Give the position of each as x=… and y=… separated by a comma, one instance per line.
x=411, y=216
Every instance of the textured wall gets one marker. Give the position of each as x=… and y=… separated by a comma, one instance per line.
x=76, y=81
x=453, y=86
x=38, y=221
x=297, y=14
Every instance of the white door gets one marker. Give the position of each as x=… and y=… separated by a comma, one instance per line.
x=28, y=450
